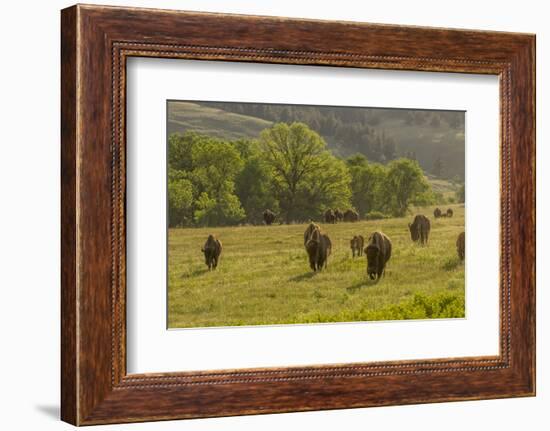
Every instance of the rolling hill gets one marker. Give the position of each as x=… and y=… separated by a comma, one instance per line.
x=185, y=116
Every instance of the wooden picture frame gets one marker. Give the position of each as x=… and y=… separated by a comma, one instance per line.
x=95, y=43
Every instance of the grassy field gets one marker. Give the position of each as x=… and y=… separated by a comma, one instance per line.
x=264, y=277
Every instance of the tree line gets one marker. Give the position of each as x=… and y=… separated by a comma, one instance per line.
x=288, y=169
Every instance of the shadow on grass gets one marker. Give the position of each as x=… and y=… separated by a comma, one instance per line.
x=195, y=273
x=362, y=283
x=303, y=277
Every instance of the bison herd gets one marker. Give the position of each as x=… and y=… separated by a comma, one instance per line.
x=318, y=245
x=335, y=216
x=438, y=213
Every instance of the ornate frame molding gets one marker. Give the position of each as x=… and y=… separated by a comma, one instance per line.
x=96, y=41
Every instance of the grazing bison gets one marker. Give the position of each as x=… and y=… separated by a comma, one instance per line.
x=269, y=217
x=378, y=253
x=420, y=229
x=212, y=250
x=449, y=212
x=330, y=217
x=339, y=215
x=318, y=248
x=461, y=245
x=437, y=213
x=309, y=230
x=356, y=244
x=351, y=215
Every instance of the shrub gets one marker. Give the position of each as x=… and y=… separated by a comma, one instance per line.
x=440, y=306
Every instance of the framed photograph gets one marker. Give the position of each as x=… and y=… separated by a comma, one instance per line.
x=265, y=215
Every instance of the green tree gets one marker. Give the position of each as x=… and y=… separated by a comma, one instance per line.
x=215, y=166
x=216, y=163
x=293, y=154
x=428, y=197
x=180, y=199
x=224, y=209
x=404, y=181
x=253, y=187
x=357, y=160
x=367, y=184
x=180, y=149
x=327, y=187
x=246, y=148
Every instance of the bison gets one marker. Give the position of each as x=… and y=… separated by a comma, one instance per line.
x=420, y=229
x=437, y=213
x=449, y=212
x=461, y=245
x=351, y=215
x=212, y=250
x=330, y=217
x=319, y=248
x=309, y=230
x=378, y=253
x=339, y=215
x=356, y=244
x=269, y=217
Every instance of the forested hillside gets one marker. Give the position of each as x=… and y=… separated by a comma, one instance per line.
x=434, y=138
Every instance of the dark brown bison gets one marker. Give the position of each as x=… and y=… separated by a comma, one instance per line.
x=330, y=217
x=339, y=215
x=269, y=217
x=461, y=245
x=212, y=250
x=351, y=215
x=356, y=244
x=378, y=252
x=319, y=248
x=309, y=230
x=450, y=212
x=437, y=213
x=420, y=229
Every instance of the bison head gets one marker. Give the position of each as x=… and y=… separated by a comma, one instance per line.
x=373, y=256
